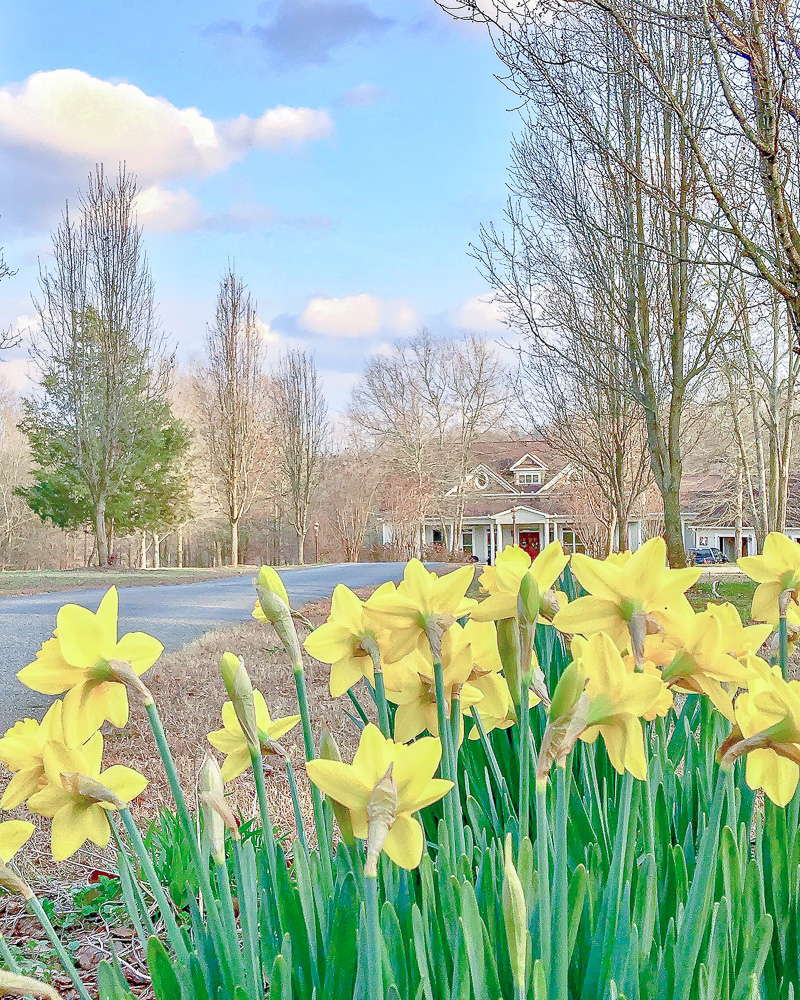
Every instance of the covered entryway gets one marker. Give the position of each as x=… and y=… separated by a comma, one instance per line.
x=530, y=542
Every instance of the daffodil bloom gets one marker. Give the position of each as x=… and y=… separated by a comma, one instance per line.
x=618, y=700
x=14, y=833
x=22, y=752
x=504, y=579
x=415, y=787
x=423, y=601
x=741, y=641
x=768, y=718
x=76, y=661
x=231, y=741
x=346, y=641
x=665, y=700
x=692, y=651
x=777, y=572
x=78, y=795
x=411, y=685
x=626, y=597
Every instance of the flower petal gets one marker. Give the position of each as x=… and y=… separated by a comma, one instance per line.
x=139, y=649
x=404, y=841
x=124, y=782
x=13, y=834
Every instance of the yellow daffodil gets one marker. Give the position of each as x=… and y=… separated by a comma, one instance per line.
x=768, y=718
x=14, y=833
x=665, y=699
x=626, y=596
x=409, y=773
x=76, y=661
x=503, y=581
x=22, y=752
x=421, y=603
x=777, y=572
x=231, y=741
x=618, y=700
x=411, y=685
x=346, y=640
x=741, y=641
x=78, y=795
x=694, y=655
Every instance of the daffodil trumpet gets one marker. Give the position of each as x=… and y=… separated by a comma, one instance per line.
x=12, y=984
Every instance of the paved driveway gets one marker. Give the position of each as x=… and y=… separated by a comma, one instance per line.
x=175, y=614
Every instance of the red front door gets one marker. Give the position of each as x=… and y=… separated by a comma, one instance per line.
x=529, y=541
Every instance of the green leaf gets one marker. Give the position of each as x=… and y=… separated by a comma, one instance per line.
x=165, y=981
x=111, y=984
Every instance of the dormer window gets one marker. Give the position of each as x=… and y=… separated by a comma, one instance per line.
x=481, y=481
x=528, y=478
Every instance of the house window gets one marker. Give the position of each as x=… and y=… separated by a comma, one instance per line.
x=481, y=481
x=437, y=536
x=529, y=478
x=466, y=541
x=570, y=541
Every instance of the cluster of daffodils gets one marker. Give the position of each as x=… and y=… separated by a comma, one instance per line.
x=56, y=764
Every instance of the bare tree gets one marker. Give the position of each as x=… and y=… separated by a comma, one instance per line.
x=230, y=392
x=354, y=477
x=301, y=419
x=99, y=348
x=7, y=338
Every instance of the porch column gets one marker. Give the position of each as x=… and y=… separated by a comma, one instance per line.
x=499, y=537
x=546, y=532
x=492, y=546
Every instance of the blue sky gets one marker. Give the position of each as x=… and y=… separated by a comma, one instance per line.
x=348, y=212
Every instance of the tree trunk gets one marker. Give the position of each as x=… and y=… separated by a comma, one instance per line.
x=156, y=551
x=234, y=543
x=676, y=553
x=180, y=547
x=143, y=551
x=101, y=532
x=301, y=548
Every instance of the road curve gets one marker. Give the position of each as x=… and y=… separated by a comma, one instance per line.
x=175, y=613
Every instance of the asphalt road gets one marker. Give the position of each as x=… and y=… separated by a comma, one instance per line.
x=174, y=613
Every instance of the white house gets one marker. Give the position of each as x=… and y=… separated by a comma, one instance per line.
x=521, y=492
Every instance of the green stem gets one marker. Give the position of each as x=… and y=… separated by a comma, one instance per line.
x=560, y=950
x=374, y=957
x=174, y=933
x=543, y=874
x=358, y=706
x=298, y=816
x=493, y=764
x=446, y=766
x=36, y=907
x=323, y=839
x=524, y=810
x=186, y=822
x=380, y=700
x=783, y=645
x=267, y=829
x=229, y=915
x=8, y=958
x=455, y=741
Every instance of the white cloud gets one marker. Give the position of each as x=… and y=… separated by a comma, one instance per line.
x=480, y=313
x=80, y=119
x=164, y=211
x=357, y=316
x=278, y=342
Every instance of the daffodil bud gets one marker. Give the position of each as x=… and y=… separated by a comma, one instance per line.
x=217, y=814
x=381, y=814
x=551, y=603
x=329, y=750
x=240, y=691
x=278, y=612
x=13, y=985
x=529, y=601
x=568, y=689
x=11, y=882
x=508, y=645
x=515, y=917
x=270, y=580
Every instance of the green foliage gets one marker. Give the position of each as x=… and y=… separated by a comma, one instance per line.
x=122, y=446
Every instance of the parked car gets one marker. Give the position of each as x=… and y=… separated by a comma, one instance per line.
x=707, y=556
